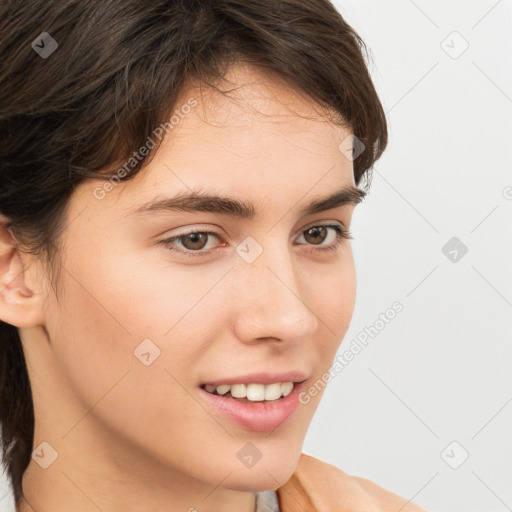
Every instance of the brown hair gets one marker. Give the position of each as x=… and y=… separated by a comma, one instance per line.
x=115, y=76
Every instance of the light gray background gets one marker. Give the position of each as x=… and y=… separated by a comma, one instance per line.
x=440, y=371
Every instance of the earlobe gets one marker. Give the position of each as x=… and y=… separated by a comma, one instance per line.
x=20, y=305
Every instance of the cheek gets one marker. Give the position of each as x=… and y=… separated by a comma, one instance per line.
x=91, y=344
x=118, y=314
x=335, y=302
x=95, y=351
x=334, y=305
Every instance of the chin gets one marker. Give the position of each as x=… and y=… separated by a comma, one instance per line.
x=265, y=475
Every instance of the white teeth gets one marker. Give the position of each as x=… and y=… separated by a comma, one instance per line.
x=286, y=388
x=273, y=391
x=254, y=392
x=223, y=389
x=238, y=390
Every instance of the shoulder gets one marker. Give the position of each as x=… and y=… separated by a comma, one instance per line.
x=317, y=486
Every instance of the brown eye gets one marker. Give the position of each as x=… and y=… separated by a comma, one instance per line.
x=316, y=234
x=194, y=241
x=319, y=236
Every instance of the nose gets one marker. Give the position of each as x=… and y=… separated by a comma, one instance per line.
x=270, y=300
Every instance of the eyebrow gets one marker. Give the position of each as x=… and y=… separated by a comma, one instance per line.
x=201, y=201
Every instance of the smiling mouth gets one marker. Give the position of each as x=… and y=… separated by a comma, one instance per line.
x=254, y=392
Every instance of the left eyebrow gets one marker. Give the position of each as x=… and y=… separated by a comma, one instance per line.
x=200, y=201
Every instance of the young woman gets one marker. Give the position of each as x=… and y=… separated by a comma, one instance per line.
x=177, y=181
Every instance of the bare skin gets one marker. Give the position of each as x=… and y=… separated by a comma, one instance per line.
x=131, y=437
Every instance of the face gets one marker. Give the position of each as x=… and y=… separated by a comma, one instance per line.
x=147, y=313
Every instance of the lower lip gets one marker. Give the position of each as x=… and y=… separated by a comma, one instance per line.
x=257, y=416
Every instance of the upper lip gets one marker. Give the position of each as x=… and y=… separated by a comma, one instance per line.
x=261, y=378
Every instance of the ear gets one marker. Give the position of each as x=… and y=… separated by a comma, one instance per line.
x=21, y=303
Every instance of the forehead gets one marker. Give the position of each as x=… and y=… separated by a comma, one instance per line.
x=251, y=103
x=261, y=133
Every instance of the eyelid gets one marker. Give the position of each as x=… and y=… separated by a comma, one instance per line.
x=342, y=233
x=200, y=229
x=323, y=223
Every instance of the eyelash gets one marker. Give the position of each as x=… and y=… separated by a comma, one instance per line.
x=341, y=234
